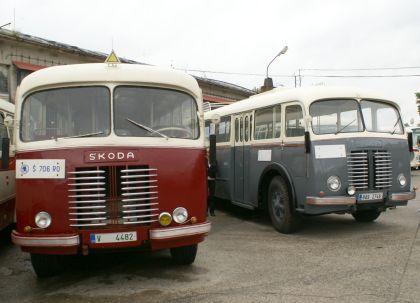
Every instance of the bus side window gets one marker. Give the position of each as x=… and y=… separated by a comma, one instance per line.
x=294, y=121
x=277, y=121
x=263, y=124
x=246, y=129
x=236, y=129
x=241, y=130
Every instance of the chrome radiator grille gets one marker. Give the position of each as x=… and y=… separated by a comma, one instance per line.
x=369, y=169
x=110, y=196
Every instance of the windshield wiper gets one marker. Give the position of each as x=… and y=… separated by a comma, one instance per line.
x=82, y=135
x=339, y=131
x=394, y=128
x=147, y=128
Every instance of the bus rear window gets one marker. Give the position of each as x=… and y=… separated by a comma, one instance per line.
x=335, y=116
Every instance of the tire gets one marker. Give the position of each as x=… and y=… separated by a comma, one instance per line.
x=184, y=255
x=46, y=265
x=284, y=219
x=366, y=215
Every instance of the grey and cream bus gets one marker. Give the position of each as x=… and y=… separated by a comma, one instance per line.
x=312, y=151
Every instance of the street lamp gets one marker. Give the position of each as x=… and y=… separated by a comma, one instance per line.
x=268, y=82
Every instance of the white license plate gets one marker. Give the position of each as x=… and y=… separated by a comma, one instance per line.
x=370, y=196
x=113, y=237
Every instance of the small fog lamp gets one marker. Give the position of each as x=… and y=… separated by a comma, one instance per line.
x=402, y=180
x=165, y=219
x=334, y=183
x=180, y=215
x=43, y=219
x=351, y=190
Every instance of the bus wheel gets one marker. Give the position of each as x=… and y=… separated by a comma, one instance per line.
x=46, y=265
x=366, y=215
x=279, y=207
x=184, y=255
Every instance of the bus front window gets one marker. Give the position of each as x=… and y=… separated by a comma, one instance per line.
x=66, y=112
x=335, y=116
x=381, y=117
x=154, y=112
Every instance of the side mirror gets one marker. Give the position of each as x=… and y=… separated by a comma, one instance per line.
x=307, y=142
x=5, y=153
x=410, y=142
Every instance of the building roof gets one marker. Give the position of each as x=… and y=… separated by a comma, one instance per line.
x=41, y=42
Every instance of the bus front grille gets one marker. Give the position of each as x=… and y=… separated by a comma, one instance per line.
x=369, y=170
x=112, y=196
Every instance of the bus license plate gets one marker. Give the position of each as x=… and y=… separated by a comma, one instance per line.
x=113, y=237
x=370, y=196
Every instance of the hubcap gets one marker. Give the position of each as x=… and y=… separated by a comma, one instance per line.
x=277, y=205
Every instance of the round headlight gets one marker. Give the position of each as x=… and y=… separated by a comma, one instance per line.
x=402, y=180
x=334, y=183
x=165, y=219
x=42, y=219
x=180, y=215
x=351, y=190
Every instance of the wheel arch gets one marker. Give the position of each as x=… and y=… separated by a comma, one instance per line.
x=272, y=170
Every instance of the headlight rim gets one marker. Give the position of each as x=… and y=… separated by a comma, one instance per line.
x=402, y=179
x=175, y=214
x=330, y=180
x=46, y=217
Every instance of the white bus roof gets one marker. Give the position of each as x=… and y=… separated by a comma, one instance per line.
x=104, y=72
x=305, y=95
x=7, y=106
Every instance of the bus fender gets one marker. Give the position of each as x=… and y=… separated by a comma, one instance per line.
x=268, y=173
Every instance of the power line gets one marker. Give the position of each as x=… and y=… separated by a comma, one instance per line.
x=314, y=75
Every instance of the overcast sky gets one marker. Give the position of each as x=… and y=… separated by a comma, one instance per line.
x=243, y=36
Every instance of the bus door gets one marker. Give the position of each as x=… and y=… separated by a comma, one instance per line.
x=242, y=140
x=294, y=139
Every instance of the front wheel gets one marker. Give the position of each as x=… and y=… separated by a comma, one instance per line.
x=366, y=215
x=46, y=265
x=284, y=219
x=184, y=255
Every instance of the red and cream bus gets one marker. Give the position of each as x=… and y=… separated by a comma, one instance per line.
x=109, y=156
x=7, y=166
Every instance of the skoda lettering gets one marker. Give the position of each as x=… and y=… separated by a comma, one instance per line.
x=100, y=156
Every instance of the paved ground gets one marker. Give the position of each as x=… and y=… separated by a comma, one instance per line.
x=332, y=259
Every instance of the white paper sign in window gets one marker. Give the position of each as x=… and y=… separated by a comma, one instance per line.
x=330, y=151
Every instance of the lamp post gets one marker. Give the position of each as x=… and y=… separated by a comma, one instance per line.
x=268, y=82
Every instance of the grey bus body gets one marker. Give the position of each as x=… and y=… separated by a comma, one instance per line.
x=300, y=152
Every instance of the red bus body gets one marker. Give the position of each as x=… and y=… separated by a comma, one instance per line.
x=114, y=189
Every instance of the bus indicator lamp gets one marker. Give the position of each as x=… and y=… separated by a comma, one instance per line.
x=193, y=220
x=351, y=190
x=322, y=194
x=180, y=215
x=27, y=229
x=165, y=219
x=43, y=219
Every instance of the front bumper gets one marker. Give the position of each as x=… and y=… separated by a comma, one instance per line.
x=75, y=240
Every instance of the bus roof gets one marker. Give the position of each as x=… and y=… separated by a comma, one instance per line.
x=305, y=95
x=104, y=72
x=7, y=106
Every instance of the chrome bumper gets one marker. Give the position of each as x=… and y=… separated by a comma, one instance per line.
x=402, y=197
x=56, y=241
x=177, y=232
x=331, y=200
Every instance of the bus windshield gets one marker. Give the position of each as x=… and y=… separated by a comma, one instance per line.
x=66, y=112
x=345, y=116
x=154, y=112
x=335, y=116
